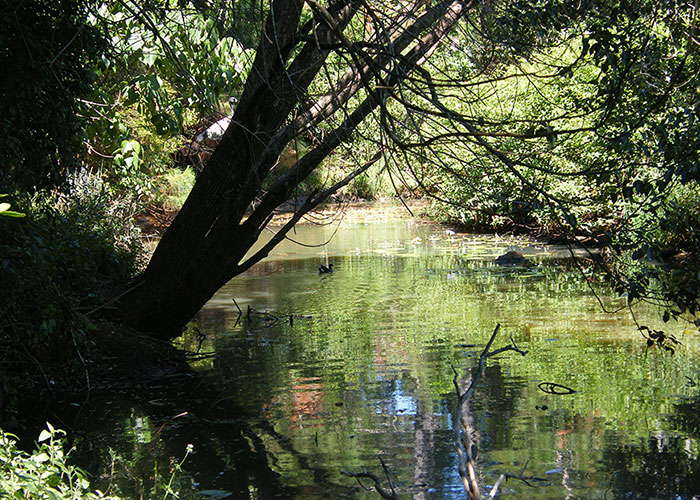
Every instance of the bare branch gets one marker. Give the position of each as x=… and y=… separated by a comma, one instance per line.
x=464, y=442
x=312, y=201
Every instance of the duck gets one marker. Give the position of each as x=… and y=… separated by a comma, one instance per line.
x=325, y=270
x=216, y=131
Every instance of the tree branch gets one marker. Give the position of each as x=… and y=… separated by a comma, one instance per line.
x=312, y=201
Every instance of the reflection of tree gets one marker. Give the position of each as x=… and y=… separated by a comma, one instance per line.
x=144, y=438
x=373, y=351
x=498, y=395
x=664, y=466
x=307, y=401
x=686, y=417
x=214, y=317
x=424, y=448
x=661, y=467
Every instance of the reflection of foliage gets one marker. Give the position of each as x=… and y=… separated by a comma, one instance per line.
x=661, y=467
x=368, y=369
x=139, y=464
x=134, y=442
x=685, y=417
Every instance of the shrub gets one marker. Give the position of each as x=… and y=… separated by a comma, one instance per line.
x=173, y=187
x=43, y=474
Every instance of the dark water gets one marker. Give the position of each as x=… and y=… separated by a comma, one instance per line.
x=279, y=407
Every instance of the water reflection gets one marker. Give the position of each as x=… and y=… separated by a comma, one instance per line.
x=344, y=367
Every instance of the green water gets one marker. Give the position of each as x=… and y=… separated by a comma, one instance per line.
x=326, y=372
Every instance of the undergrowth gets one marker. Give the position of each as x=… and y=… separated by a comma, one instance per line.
x=44, y=474
x=56, y=264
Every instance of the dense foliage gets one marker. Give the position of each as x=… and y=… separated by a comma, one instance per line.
x=540, y=116
x=165, y=65
x=47, y=53
x=588, y=129
x=576, y=120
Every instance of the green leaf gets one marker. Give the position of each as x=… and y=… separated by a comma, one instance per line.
x=44, y=436
x=149, y=58
x=129, y=146
x=10, y=213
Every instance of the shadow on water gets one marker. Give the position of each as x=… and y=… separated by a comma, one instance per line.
x=131, y=441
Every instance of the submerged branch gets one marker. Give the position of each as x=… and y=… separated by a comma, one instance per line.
x=388, y=495
x=466, y=447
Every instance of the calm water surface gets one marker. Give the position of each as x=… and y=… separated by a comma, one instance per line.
x=327, y=372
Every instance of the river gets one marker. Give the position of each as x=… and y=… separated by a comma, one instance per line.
x=324, y=373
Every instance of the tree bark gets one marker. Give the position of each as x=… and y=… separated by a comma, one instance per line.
x=206, y=244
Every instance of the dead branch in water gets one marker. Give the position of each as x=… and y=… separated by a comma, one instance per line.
x=464, y=442
x=388, y=495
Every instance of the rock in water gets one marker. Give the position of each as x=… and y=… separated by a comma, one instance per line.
x=512, y=258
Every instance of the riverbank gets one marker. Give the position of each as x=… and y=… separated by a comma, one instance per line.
x=117, y=358
x=100, y=354
x=155, y=220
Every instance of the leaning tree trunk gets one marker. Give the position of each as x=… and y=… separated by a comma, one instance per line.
x=207, y=243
